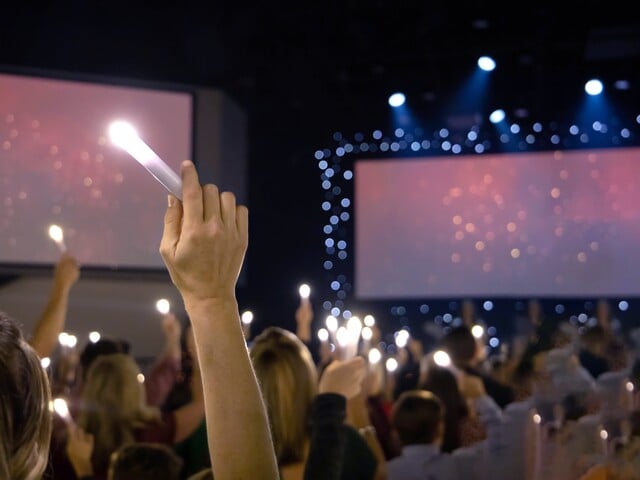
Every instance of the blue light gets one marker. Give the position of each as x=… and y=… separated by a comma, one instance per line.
x=399, y=132
x=593, y=87
x=479, y=148
x=494, y=342
x=472, y=135
x=345, y=202
x=377, y=134
x=486, y=63
x=623, y=305
x=488, y=305
x=342, y=244
x=348, y=174
x=335, y=285
x=497, y=116
x=319, y=155
x=415, y=146
x=515, y=128
x=322, y=164
x=397, y=100
x=326, y=206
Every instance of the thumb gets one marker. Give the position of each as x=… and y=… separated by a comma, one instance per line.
x=172, y=227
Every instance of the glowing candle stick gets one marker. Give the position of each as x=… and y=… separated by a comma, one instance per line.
x=123, y=135
x=367, y=335
x=630, y=396
x=57, y=235
x=342, y=336
x=537, y=425
x=304, y=291
x=604, y=436
x=163, y=306
x=61, y=408
x=332, y=326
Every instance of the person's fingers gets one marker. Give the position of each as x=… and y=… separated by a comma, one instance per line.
x=172, y=227
x=191, y=195
x=242, y=223
x=211, y=200
x=228, y=208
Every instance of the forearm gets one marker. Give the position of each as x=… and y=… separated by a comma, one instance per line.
x=328, y=438
x=234, y=408
x=52, y=321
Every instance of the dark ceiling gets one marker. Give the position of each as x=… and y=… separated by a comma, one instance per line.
x=304, y=69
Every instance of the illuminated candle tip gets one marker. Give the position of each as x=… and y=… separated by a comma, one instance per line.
x=247, y=317
x=163, y=306
x=304, y=291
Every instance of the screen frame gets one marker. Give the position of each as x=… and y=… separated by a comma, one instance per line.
x=9, y=270
x=555, y=135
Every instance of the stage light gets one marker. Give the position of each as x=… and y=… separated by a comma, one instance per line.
x=486, y=63
x=622, y=84
x=593, y=87
x=497, y=116
x=397, y=100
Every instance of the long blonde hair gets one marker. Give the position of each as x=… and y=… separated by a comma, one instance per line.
x=288, y=380
x=25, y=417
x=113, y=406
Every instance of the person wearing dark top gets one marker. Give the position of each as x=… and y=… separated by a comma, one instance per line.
x=593, y=343
x=462, y=347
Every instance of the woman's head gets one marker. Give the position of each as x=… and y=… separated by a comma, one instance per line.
x=288, y=381
x=113, y=405
x=25, y=417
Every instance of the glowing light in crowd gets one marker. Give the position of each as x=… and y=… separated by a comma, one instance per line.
x=629, y=386
x=367, y=333
x=247, y=317
x=140, y=378
x=486, y=63
x=163, y=306
x=537, y=419
x=304, y=290
x=45, y=362
x=94, y=337
x=342, y=336
x=323, y=335
x=124, y=135
x=374, y=356
x=67, y=340
x=397, y=99
x=332, y=323
x=604, y=435
x=477, y=331
x=57, y=235
x=369, y=320
x=401, y=338
x=61, y=408
x=442, y=359
x=391, y=365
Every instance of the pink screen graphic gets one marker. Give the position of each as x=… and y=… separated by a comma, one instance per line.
x=548, y=224
x=58, y=167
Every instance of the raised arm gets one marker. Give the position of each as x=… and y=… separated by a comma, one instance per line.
x=203, y=245
x=52, y=320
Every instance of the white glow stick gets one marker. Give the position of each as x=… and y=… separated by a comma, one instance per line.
x=247, y=317
x=163, y=306
x=304, y=291
x=61, y=408
x=123, y=135
x=57, y=235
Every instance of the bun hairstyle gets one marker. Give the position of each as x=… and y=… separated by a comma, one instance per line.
x=25, y=417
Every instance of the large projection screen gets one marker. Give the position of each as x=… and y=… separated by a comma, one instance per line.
x=540, y=224
x=57, y=167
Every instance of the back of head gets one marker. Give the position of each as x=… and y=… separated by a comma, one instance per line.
x=443, y=384
x=288, y=380
x=113, y=405
x=461, y=345
x=145, y=461
x=104, y=346
x=418, y=417
x=25, y=418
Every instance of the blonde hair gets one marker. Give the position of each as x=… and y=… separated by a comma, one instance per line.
x=25, y=417
x=288, y=380
x=113, y=406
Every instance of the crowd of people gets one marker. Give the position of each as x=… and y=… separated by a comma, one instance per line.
x=560, y=403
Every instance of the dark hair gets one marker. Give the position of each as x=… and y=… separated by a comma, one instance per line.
x=593, y=336
x=460, y=344
x=575, y=406
x=417, y=417
x=145, y=461
x=104, y=346
x=442, y=383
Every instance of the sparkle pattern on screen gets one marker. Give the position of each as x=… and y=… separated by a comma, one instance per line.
x=58, y=167
x=563, y=223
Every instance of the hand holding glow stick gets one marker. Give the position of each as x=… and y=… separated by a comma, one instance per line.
x=57, y=235
x=305, y=292
x=124, y=135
